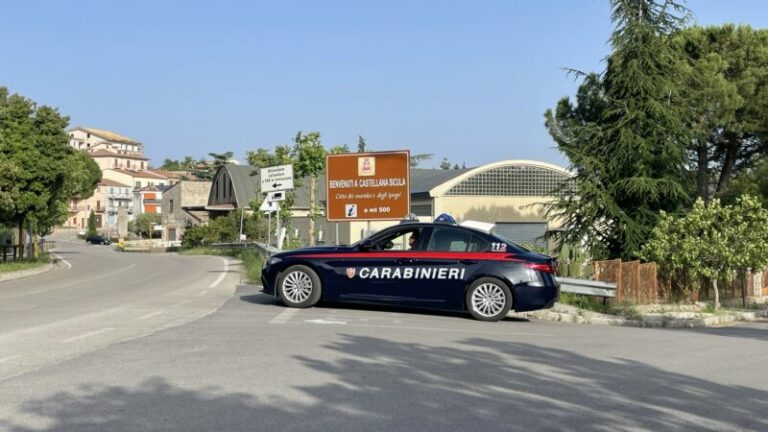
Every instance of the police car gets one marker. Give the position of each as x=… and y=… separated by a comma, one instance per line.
x=440, y=265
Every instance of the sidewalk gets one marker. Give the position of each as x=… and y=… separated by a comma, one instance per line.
x=647, y=316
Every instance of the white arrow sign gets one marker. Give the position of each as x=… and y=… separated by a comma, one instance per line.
x=269, y=206
x=276, y=178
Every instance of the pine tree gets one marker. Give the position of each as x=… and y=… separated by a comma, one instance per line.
x=626, y=137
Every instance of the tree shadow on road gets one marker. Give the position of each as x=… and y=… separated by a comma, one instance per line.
x=371, y=384
x=757, y=330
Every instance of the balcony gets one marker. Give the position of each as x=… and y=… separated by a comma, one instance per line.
x=120, y=196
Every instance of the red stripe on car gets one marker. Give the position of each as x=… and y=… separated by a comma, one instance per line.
x=490, y=256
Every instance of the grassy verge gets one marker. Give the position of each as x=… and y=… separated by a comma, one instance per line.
x=596, y=304
x=252, y=261
x=7, y=267
x=206, y=251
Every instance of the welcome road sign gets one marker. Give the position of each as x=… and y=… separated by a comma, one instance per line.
x=368, y=186
x=276, y=178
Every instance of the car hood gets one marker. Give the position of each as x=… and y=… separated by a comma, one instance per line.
x=314, y=250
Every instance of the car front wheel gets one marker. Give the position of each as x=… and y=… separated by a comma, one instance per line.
x=299, y=287
x=489, y=299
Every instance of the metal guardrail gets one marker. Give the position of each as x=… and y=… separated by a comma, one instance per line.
x=587, y=287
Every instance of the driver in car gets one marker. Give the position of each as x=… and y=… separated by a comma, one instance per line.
x=413, y=241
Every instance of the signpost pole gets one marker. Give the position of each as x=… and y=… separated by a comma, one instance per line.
x=277, y=229
x=337, y=233
x=368, y=229
x=269, y=228
x=240, y=238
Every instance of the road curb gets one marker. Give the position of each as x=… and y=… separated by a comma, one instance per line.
x=25, y=273
x=570, y=314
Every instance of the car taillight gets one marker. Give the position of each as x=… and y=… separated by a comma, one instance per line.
x=542, y=267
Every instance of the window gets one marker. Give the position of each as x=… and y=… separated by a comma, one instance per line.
x=446, y=239
x=400, y=240
x=478, y=244
x=138, y=184
x=511, y=181
x=128, y=163
x=171, y=205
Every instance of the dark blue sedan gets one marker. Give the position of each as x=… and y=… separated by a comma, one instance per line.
x=425, y=265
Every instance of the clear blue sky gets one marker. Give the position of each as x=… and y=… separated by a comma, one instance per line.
x=464, y=80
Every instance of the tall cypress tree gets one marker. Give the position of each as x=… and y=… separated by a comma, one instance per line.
x=625, y=137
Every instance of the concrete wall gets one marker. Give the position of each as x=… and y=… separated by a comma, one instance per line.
x=184, y=193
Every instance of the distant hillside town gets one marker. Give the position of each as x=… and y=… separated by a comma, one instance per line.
x=129, y=185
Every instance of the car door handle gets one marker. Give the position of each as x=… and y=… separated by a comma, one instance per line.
x=467, y=262
x=404, y=261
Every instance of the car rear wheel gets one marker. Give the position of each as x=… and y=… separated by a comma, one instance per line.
x=489, y=299
x=299, y=287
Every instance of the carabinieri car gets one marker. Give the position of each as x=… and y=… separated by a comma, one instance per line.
x=440, y=265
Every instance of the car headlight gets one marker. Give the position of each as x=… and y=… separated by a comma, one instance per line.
x=271, y=261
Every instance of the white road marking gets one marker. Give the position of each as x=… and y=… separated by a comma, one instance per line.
x=87, y=335
x=284, y=316
x=3, y=360
x=324, y=321
x=201, y=293
x=69, y=266
x=222, y=275
x=105, y=275
x=150, y=315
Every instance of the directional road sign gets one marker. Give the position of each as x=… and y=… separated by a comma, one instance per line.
x=269, y=206
x=276, y=178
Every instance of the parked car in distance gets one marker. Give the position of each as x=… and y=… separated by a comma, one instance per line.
x=99, y=239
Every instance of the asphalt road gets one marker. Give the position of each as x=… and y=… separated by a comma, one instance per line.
x=253, y=365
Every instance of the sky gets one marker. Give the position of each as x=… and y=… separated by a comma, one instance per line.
x=464, y=80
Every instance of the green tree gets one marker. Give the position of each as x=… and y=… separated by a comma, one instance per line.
x=361, y=148
x=749, y=181
x=419, y=158
x=143, y=224
x=206, y=169
x=170, y=165
x=41, y=172
x=91, y=225
x=310, y=162
x=729, y=66
x=700, y=244
x=339, y=149
x=626, y=137
x=445, y=164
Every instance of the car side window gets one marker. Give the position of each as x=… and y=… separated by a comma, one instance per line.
x=478, y=244
x=406, y=239
x=446, y=239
